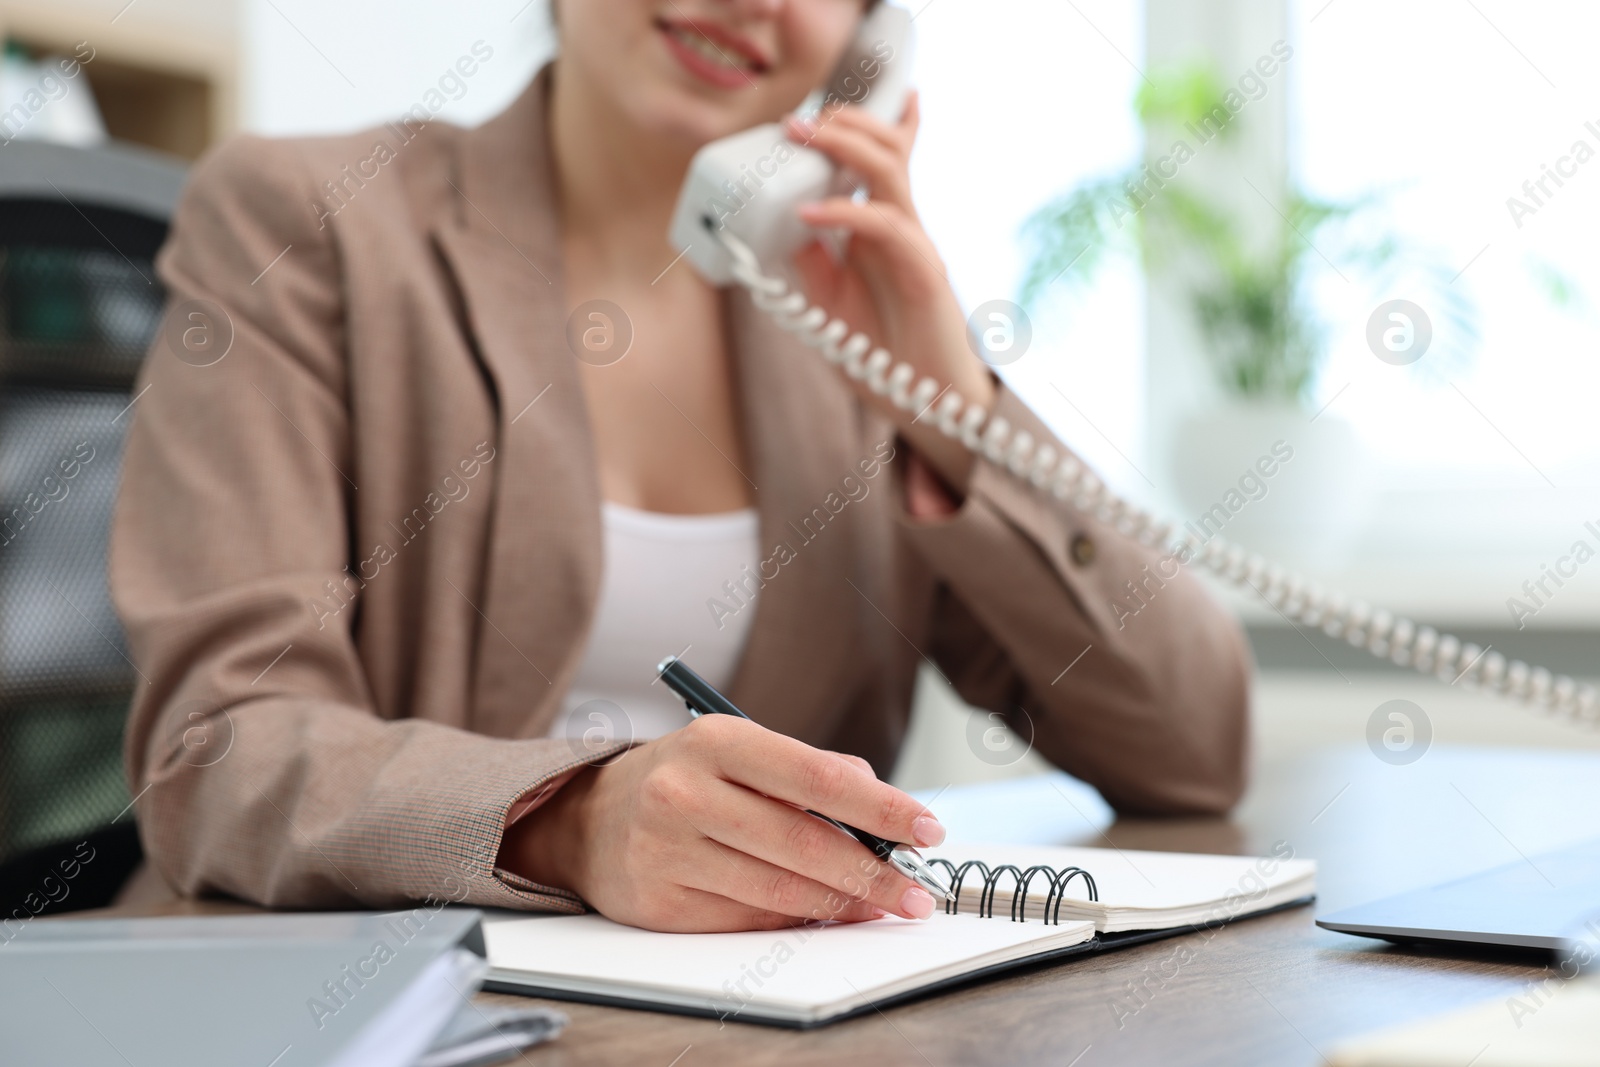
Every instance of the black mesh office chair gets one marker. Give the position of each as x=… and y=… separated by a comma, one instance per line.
x=79, y=304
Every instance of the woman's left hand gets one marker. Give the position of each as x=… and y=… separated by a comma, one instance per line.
x=891, y=283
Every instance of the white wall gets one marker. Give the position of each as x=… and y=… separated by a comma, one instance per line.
x=1231, y=36
x=1022, y=100
x=315, y=67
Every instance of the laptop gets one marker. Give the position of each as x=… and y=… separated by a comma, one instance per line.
x=1542, y=902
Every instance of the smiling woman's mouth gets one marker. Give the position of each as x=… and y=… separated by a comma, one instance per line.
x=712, y=55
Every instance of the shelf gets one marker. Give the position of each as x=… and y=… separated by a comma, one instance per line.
x=168, y=88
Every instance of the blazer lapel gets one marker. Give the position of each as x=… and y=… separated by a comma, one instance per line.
x=542, y=575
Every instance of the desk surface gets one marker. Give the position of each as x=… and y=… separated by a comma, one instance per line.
x=1276, y=990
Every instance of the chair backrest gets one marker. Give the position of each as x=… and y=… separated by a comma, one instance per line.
x=79, y=305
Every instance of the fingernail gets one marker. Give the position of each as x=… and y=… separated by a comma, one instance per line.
x=927, y=831
x=878, y=913
x=917, y=903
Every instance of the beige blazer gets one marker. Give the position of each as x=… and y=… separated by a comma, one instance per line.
x=357, y=555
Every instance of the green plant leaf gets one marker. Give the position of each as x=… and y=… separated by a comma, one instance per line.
x=1181, y=95
x=1249, y=292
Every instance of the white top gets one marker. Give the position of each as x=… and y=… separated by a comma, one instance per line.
x=661, y=577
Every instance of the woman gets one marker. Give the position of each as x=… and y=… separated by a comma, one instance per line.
x=387, y=560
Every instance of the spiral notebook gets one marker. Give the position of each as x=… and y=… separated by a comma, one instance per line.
x=1018, y=905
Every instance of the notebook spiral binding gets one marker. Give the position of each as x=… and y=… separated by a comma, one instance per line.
x=1059, y=880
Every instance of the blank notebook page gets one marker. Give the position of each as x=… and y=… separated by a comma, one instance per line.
x=803, y=974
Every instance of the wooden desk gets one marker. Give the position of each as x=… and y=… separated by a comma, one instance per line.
x=1276, y=990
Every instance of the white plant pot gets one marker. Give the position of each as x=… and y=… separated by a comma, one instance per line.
x=1264, y=475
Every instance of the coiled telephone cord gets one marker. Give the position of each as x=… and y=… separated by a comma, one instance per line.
x=1040, y=463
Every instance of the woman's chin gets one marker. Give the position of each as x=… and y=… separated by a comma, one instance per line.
x=681, y=118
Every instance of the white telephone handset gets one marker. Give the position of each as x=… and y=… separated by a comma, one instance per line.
x=737, y=209
x=747, y=186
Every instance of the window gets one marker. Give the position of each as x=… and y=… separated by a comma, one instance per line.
x=1021, y=100
x=1451, y=108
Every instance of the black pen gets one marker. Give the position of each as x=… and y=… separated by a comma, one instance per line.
x=702, y=698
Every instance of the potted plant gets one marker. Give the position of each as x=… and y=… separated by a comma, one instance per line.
x=1247, y=288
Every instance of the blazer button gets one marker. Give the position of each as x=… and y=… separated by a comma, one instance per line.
x=1083, y=550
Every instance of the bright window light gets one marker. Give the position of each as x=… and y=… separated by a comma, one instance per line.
x=1450, y=108
x=1022, y=100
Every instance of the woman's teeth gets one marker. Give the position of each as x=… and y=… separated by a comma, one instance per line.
x=703, y=47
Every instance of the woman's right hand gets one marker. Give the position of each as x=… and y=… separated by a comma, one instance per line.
x=704, y=829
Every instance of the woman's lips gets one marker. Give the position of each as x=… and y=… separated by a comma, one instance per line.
x=714, y=55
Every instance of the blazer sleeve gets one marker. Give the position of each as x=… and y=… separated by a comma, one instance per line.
x=1140, y=689
x=260, y=766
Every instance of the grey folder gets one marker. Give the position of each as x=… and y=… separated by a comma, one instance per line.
x=258, y=990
